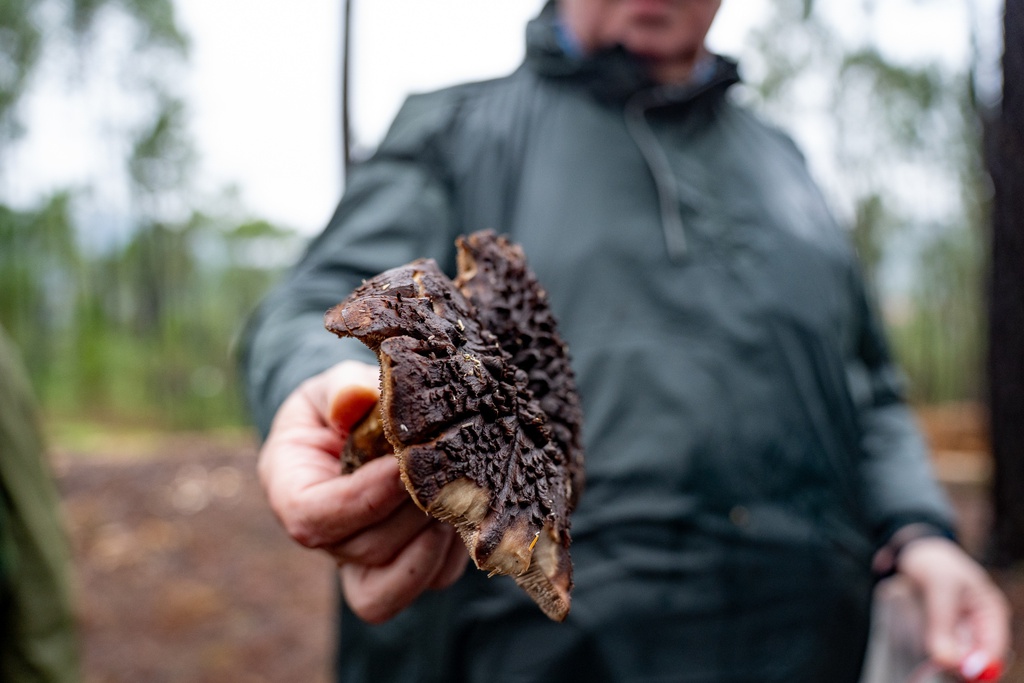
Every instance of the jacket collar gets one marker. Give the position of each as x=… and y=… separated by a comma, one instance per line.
x=613, y=74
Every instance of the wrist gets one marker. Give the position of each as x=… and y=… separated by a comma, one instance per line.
x=886, y=560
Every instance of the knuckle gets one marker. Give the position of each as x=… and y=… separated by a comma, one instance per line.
x=354, y=370
x=301, y=533
x=372, y=505
x=376, y=554
x=368, y=503
x=346, y=366
x=363, y=551
x=368, y=605
x=371, y=613
x=309, y=384
x=302, y=530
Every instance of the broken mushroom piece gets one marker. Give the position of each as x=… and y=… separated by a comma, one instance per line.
x=477, y=447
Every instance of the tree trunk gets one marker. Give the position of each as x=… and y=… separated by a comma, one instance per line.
x=1006, y=300
x=346, y=73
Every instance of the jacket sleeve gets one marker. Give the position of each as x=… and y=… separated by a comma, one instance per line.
x=396, y=208
x=899, y=487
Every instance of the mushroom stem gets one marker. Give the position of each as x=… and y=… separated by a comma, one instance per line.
x=365, y=442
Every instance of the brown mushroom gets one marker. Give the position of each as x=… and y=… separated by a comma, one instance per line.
x=478, y=403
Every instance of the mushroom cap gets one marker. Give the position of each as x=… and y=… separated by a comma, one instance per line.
x=478, y=403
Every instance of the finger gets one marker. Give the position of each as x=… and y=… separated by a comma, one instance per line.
x=350, y=404
x=338, y=396
x=454, y=565
x=376, y=594
x=321, y=513
x=989, y=619
x=299, y=464
x=379, y=544
x=301, y=449
x=941, y=605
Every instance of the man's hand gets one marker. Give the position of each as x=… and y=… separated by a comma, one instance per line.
x=965, y=612
x=388, y=549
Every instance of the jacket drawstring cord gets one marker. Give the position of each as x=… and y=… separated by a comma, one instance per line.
x=661, y=171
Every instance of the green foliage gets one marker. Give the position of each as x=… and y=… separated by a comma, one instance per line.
x=23, y=37
x=142, y=333
x=20, y=47
x=872, y=221
x=155, y=19
x=162, y=152
x=903, y=95
x=37, y=258
x=901, y=135
x=140, y=329
x=942, y=341
x=158, y=19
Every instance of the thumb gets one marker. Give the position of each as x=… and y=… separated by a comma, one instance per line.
x=350, y=390
x=350, y=404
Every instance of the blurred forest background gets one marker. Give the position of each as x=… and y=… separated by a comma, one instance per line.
x=126, y=318
x=127, y=294
x=132, y=318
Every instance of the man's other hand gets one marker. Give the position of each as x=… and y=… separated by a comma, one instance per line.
x=965, y=613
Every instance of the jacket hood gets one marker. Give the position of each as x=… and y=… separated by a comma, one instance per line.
x=612, y=74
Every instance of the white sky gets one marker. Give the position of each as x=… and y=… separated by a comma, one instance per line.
x=288, y=149
x=263, y=85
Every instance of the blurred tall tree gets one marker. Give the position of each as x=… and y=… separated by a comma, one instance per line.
x=346, y=89
x=1006, y=298
x=38, y=261
x=19, y=54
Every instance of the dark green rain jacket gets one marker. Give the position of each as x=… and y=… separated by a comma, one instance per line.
x=747, y=445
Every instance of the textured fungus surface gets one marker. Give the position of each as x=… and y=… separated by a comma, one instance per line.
x=478, y=403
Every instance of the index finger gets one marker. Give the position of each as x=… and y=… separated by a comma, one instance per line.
x=344, y=393
x=321, y=507
x=299, y=464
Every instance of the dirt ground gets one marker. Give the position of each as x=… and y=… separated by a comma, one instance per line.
x=183, y=575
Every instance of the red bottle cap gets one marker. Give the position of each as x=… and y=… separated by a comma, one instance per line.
x=976, y=668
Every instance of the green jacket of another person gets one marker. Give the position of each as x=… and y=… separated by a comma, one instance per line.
x=37, y=626
x=748, y=448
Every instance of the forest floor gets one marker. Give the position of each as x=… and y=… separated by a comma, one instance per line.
x=184, y=576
